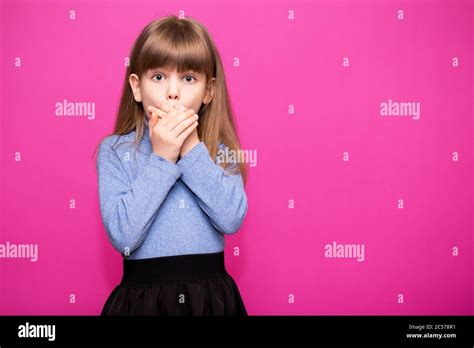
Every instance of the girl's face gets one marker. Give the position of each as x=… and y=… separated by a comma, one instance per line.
x=164, y=86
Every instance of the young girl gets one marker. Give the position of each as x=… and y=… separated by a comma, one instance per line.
x=168, y=206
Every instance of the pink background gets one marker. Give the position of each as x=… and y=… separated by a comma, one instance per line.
x=283, y=62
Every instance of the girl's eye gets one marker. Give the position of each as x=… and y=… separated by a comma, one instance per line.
x=192, y=77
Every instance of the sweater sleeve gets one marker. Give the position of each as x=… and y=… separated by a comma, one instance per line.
x=220, y=196
x=128, y=208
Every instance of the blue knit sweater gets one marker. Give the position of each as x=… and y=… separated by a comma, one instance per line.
x=151, y=207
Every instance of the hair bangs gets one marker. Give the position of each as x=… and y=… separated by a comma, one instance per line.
x=175, y=49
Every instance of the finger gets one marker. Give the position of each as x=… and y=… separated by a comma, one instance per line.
x=182, y=137
x=152, y=123
x=152, y=109
x=160, y=114
x=165, y=106
x=180, y=106
x=163, y=117
x=174, y=117
x=174, y=122
x=173, y=109
x=184, y=125
x=155, y=120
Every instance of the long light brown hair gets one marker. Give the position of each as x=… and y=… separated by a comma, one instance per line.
x=182, y=44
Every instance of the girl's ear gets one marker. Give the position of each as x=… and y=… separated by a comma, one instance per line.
x=209, y=91
x=135, y=85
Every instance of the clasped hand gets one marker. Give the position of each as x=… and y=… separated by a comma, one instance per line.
x=173, y=130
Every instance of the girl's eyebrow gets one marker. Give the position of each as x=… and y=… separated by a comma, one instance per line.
x=167, y=71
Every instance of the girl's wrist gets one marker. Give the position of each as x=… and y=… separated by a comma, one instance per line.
x=189, y=145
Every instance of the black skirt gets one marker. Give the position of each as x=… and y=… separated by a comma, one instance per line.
x=194, y=284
